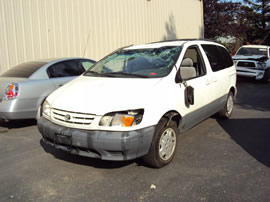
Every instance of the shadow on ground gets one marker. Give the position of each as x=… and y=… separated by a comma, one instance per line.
x=253, y=135
x=18, y=123
x=97, y=163
x=255, y=94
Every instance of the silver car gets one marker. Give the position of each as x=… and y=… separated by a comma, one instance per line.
x=23, y=88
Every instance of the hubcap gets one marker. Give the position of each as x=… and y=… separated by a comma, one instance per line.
x=229, y=105
x=167, y=144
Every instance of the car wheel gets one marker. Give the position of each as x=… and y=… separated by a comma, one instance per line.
x=226, y=112
x=164, y=144
x=266, y=76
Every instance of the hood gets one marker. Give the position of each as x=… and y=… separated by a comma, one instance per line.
x=99, y=95
x=260, y=58
x=5, y=81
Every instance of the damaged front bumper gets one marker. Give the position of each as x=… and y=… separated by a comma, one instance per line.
x=107, y=145
x=253, y=73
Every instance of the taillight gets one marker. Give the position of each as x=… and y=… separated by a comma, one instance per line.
x=12, y=91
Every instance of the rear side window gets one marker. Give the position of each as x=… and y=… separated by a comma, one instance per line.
x=218, y=57
x=228, y=62
x=24, y=70
x=65, y=69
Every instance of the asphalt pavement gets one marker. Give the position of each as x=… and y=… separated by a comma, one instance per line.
x=215, y=161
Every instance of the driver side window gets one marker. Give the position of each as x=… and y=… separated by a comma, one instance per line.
x=192, y=63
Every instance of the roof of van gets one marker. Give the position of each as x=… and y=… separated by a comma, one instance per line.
x=176, y=42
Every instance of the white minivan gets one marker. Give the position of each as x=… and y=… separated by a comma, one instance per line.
x=134, y=102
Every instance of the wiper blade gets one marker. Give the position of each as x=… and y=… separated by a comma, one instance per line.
x=125, y=74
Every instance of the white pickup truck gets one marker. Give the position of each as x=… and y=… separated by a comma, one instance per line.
x=134, y=102
x=253, y=61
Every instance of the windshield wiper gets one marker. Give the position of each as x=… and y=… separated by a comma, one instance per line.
x=115, y=74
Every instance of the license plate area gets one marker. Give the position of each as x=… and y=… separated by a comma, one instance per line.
x=63, y=139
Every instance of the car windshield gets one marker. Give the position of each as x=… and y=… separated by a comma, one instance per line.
x=23, y=70
x=132, y=63
x=252, y=51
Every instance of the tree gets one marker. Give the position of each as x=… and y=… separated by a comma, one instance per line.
x=262, y=8
x=220, y=19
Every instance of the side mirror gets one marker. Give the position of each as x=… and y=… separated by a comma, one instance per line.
x=187, y=72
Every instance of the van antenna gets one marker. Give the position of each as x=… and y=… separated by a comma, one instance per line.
x=86, y=43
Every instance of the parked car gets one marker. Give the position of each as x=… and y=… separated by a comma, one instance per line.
x=253, y=61
x=134, y=102
x=23, y=88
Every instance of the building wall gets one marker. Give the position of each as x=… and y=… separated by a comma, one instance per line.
x=34, y=29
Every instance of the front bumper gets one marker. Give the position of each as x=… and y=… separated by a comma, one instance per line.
x=253, y=73
x=107, y=145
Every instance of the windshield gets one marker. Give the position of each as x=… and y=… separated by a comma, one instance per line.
x=23, y=70
x=144, y=63
x=252, y=51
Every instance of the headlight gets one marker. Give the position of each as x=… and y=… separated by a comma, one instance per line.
x=123, y=118
x=261, y=65
x=46, y=109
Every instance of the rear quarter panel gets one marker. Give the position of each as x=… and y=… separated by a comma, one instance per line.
x=33, y=92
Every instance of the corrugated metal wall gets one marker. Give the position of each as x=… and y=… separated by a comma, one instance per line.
x=34, y=29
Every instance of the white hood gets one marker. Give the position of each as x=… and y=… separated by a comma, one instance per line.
x=99, y=95
x=250, y=57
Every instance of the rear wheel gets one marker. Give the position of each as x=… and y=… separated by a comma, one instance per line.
x=164, y=144
x=226, y=112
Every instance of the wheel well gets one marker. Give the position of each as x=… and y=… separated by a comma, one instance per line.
x=173, y=116
x=233, y=90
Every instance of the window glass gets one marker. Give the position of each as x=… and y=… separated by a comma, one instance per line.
x=196, y=60
x=226, y=57
x=252, y=51
x=214, y=56
x=143, y=63
x=64, y=69
x=87, y=64
x=23, y=70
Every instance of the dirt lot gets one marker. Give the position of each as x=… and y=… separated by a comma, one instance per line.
x=215, y=161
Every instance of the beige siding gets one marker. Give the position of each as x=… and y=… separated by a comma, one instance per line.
x=34, y=29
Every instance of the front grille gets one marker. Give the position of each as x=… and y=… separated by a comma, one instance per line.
x=72, y=117
x=246, y=64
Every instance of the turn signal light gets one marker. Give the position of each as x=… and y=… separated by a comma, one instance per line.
x=127, y=120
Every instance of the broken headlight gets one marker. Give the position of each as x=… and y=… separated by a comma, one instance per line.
x=261, y=65
x=122, y=118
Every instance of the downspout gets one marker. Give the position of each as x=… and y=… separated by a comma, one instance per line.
x=202, y=21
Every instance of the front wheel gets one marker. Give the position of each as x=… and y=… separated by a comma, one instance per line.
x=266, y=76
x=163, y=146
x=226, y=112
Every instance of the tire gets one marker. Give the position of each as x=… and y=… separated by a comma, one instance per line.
x=266, y=76
x=226, y=112
x=163, y=145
